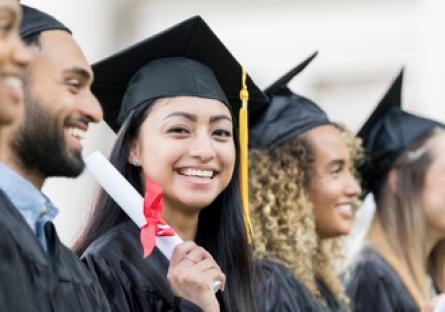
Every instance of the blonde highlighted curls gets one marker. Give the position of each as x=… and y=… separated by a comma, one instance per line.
x=282, y=215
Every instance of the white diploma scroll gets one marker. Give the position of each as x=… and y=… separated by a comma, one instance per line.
x=124, y=194
x=440, y=306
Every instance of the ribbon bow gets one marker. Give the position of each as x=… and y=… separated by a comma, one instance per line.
x=155, y=225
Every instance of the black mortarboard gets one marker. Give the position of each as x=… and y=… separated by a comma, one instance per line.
x=288, y=114
x=186, y=59
x=387, y=133
x=35, y=21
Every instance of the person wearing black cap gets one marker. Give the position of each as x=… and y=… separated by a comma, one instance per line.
x=13, y=59
x=174, y=99
x=400, y=266
x=302, y=190
x=38, y=272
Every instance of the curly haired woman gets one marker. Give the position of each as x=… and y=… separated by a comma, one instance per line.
x=303, y=190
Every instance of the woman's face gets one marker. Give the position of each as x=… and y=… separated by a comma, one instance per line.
x=332, y=187
x=14, y=56
x=186, y=146
x=433, y=195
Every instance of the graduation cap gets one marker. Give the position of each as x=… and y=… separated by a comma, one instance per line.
x=186, y=59
x=288, y=114
x=387, y=133
x=35, y=21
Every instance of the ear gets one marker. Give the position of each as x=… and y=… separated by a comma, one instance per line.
x=392, y=181
x=134, y=151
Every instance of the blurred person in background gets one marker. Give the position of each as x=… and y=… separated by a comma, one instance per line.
x=13, y=59
x=401, y=264
x=302, y=191
x=37, y=272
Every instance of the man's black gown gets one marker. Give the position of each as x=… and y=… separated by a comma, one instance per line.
x=134, y=284
x=28, y=279
x=373, y=285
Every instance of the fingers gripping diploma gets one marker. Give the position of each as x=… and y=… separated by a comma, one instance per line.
x=191, y=274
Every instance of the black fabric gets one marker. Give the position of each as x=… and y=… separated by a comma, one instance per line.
x=28, y=280
x=278, y=290
x=130, y=282
x=35, y=21
x=387, y=133
x=287, y=115
x=373, y=285
x=134, y=284
x=119, y=93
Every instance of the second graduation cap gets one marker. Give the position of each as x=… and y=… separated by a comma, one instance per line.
x=186, y=59
x=387, y=133
x=288, y=114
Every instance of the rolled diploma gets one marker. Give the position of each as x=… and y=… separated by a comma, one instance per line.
x=440, y=306
x=124, y=194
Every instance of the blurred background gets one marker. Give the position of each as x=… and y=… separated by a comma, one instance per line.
x=362, y=46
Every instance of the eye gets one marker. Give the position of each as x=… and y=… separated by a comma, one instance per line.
x=222, y=133
x=179, y=130
x=336, y=170
x=75, y=83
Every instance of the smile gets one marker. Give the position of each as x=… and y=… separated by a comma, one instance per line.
x=197, y=174
x=344, y=208
x=77, y=133
x=13, y=85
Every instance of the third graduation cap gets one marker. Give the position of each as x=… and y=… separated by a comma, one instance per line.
x=288, y=114
x=184, y=60
x=387, y=133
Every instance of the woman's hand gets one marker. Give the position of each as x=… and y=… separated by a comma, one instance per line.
x=191, y=274
x=429, y=306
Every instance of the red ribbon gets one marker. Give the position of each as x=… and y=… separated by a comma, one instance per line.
x=153, y=211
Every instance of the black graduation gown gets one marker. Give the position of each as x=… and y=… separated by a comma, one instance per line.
x=277, y=289
x=373, y=285
x=280, y=291
x=28, y=279
x=134, y=284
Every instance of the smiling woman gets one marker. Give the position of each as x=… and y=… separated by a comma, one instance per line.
x=302, y=190
x=176, y=124
x=13, y=58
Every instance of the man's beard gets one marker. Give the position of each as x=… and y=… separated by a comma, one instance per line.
x=40, y=143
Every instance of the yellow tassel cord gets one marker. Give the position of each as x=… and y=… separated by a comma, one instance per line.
x=244, y=157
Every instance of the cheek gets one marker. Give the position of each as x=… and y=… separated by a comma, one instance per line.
x=434, y=198
x=325, y=194
x=227, y=158
x=159, y=157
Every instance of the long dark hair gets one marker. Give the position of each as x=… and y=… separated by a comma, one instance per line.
x=221, y=229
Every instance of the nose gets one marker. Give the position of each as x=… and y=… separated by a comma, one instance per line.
x=352, y=187
x=202, y=148
x=21, y=55
x=90, y=108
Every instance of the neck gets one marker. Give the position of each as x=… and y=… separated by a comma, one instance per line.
x=33, y=175
x=183, y=221
x=432, y=238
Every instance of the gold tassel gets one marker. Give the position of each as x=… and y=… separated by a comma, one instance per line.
x=244, y=157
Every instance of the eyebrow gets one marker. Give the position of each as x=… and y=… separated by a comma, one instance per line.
x=194, y=118
x=78, y=71
x=9, y=10
x=336, y=162
x=181, y=114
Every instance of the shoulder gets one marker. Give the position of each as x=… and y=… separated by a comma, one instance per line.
x=372, y=283
x=278, y=290
x=121, y=240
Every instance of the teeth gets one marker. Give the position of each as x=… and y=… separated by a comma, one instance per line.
x=13, y=82
x=346, y=208
x=197, y=174
x=77, y=133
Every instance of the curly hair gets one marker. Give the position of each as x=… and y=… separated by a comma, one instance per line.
x=282, y=214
